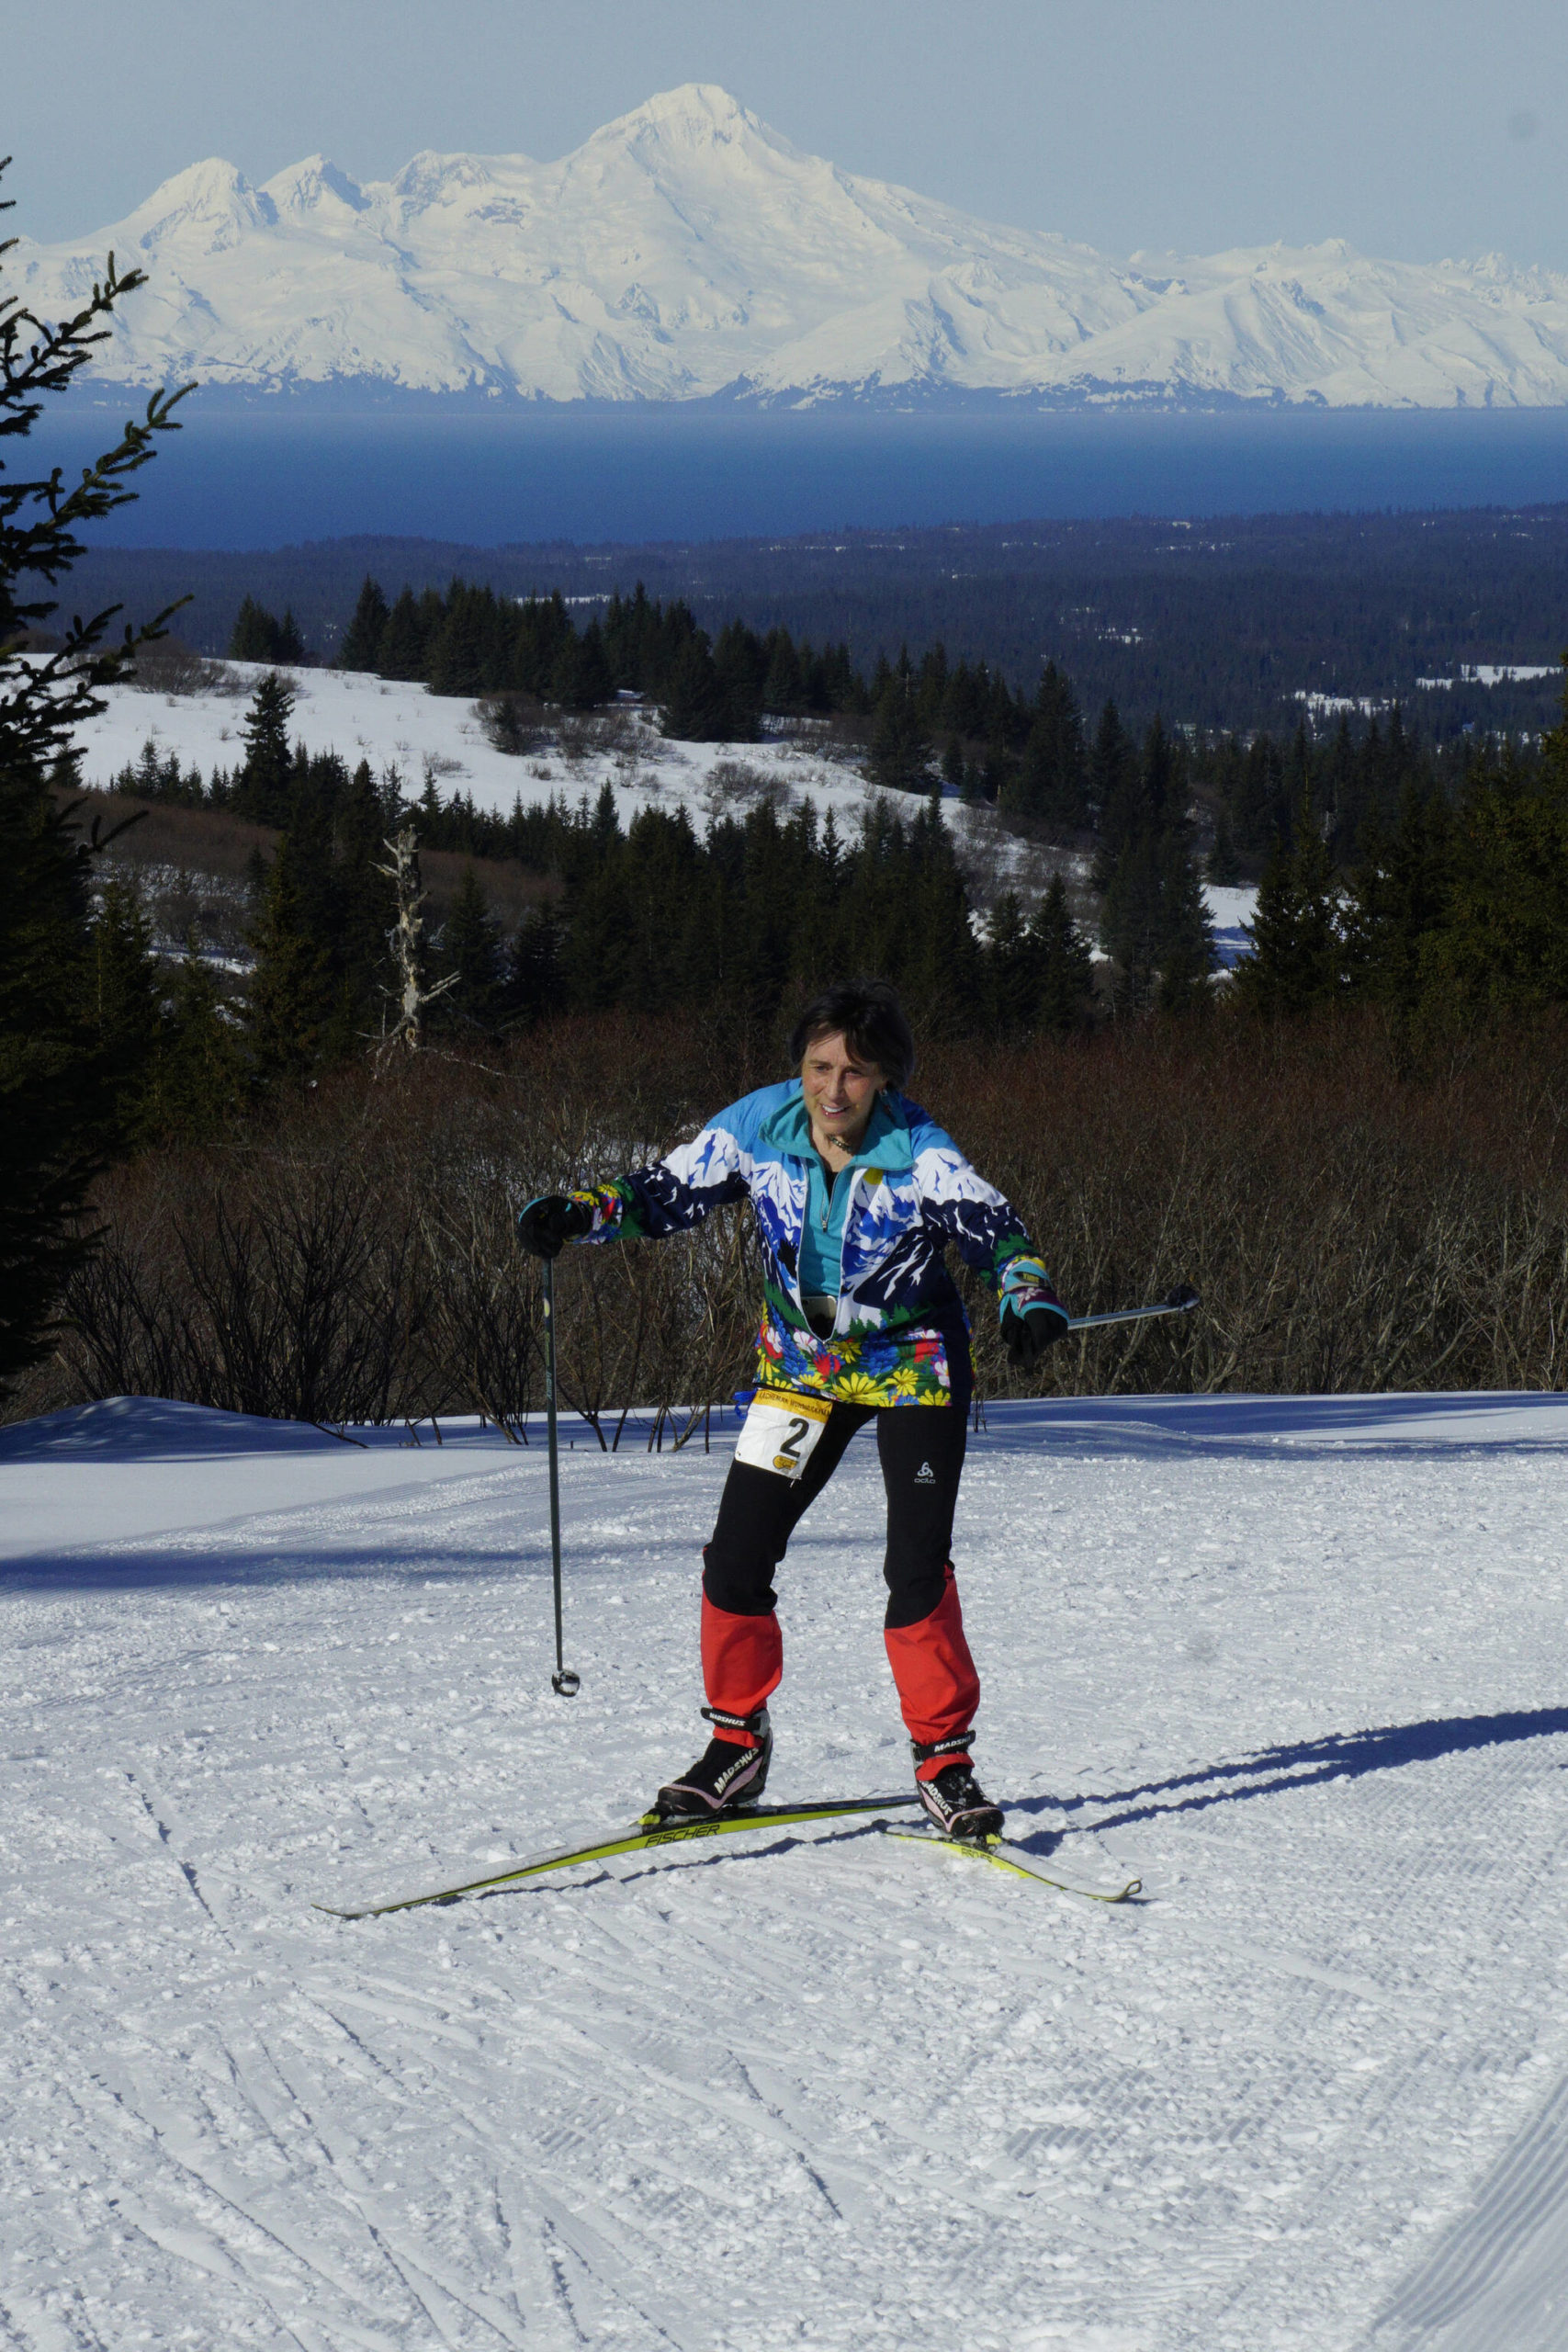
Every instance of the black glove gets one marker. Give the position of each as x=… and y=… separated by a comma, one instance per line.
x=547, y=1225
x=1026, y=1335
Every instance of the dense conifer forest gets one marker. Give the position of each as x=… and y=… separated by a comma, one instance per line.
x=1431, y=880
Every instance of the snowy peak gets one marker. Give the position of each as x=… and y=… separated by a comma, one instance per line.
x=688, y=250
x=315, y=188
x=429, y=178
x=210, y=208
x=698, y=115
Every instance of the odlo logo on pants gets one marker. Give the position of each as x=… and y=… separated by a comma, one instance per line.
x=925, y=1475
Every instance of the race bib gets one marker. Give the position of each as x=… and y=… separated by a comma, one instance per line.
x=781, y=1429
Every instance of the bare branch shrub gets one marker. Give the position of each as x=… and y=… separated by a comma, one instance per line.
x=513, y=722
x=1348, y=1230
x=1353, y=1222
x=583, y=735
x=167, y=667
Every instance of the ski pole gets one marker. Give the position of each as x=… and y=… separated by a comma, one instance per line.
x=563, y=1681
x=1181, y=1301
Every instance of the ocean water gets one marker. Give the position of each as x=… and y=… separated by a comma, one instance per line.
x=275, y=473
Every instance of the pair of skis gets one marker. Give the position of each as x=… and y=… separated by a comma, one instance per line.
x=653, y=1832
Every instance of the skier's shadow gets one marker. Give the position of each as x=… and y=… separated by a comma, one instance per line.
x=1302, y=1764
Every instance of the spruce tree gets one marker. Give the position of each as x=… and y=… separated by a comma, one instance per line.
x=692, y=710
x=401, y=652
x=361, y=648
x=365, y=905
x=291, y=999
x=125, y=1004
x=455, y=655
x=535, y=980
x=1223, y=865
x=1065, y=964
x=997, y=774
x=741, y=666
x=1187, y=952
x=261, y=788
x=1013, y=960
x=1339, y=797
x=899, y=758
x=1259, y=809
x=1490, y=894
x=1131, y=921
x=783, y=687
x=470, y=945
x=56, y=1084
x=582, y=679
x=1297, y=954
x=257, y=635
x=1115, y=794
x=1402, y=894
x=1052, y=784
x=199, y=1075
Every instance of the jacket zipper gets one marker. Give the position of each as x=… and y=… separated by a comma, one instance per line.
x=843, y=1237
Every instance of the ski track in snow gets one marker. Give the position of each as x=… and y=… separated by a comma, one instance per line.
x=1296, y=1661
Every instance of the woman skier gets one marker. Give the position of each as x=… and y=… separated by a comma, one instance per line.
x=856, y=1193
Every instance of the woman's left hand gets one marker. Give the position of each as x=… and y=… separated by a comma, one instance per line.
x=1026, y=1335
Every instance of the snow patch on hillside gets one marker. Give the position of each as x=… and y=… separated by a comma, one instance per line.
x=401, y=726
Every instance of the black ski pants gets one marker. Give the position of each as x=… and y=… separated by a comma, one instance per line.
x=921, y=1450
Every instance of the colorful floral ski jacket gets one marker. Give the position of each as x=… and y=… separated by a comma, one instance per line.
x=900, y=1336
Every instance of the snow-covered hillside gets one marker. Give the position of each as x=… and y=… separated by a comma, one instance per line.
x=1297, y=1661
x=688, y=250
x=401, y=726
x=420, y=734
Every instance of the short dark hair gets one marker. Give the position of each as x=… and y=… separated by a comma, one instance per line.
x=869, y=1017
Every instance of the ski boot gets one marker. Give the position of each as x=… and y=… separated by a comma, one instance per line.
x=727, y=1776
x=955, y=1800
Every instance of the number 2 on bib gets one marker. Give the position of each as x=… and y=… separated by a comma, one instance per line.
x=781, y=1429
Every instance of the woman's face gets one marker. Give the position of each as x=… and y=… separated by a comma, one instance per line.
x=840, y=1089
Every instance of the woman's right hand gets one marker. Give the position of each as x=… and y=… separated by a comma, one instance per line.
x=547, y=1225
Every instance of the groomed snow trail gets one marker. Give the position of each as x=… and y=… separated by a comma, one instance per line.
x=1296, y=1661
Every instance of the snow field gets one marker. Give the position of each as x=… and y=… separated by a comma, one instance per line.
x=1296, y=1661
x=393, y=724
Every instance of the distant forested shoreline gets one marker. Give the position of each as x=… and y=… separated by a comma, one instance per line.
x=1219, y=625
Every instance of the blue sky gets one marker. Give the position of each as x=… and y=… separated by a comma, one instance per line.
x=1414, y=128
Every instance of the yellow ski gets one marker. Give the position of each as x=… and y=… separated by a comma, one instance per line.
x=642, y=1837
x=1018, y=1858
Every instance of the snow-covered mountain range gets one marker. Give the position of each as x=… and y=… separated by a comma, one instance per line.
x=688, y=251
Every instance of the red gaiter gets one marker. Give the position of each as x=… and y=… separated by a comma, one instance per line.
x=742, y=1662
x=938, y=1686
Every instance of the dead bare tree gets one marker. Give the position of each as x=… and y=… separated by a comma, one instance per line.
x=406, y=939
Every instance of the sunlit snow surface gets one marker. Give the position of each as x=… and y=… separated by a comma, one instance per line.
x=1299, y=1662
x=394, y=725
